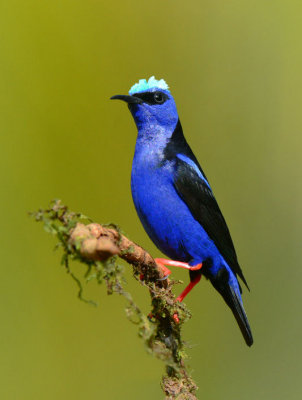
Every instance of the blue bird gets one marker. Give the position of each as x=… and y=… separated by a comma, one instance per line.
x=175, y=202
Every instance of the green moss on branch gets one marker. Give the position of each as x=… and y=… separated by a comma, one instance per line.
x=98, y=248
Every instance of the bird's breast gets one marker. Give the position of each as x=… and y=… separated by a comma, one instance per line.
x=152, y=195
x=164, y=215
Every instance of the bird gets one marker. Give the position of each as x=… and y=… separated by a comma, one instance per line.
x=174, y=200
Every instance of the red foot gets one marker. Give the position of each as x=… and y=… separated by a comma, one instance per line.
x=166, y=270
x=175, y=317
x=185, y=293
x=189, y=288
x=163, y=262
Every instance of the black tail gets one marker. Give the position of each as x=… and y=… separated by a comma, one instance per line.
x=234, y=302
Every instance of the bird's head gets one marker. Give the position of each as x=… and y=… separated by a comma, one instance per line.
x=151, y=104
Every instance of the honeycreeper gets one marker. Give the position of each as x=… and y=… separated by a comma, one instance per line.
x=175, y=202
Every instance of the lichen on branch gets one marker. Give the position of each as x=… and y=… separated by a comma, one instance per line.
x=98, y=248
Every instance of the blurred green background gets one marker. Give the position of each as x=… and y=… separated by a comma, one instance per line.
x=234, y=69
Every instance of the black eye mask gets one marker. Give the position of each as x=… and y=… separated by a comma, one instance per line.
x=152, y=97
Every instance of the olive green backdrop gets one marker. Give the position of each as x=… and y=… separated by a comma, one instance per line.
x=234, y=68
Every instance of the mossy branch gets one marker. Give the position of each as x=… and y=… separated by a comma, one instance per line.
x=98, y=247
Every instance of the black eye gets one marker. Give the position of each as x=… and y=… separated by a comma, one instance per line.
x=158, y=98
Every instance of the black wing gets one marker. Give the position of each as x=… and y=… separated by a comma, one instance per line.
x=193, y=187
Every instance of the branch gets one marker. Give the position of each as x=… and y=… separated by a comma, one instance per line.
x=98, y=247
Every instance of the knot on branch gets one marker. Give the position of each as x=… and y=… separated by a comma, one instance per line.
x=99, y=243
x=94, y=242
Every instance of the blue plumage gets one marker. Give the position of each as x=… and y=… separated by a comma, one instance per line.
x=174, y=200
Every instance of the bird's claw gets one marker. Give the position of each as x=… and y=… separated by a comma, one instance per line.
x=166, y=271
x=164, y=278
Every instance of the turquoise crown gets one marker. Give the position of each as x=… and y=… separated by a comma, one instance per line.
x=144, y=85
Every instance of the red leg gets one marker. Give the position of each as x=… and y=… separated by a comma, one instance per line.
x=189, y=288
x=163, y=261
x=172, y=263
x=185, y=293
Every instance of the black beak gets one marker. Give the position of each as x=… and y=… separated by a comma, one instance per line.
x=127, y=99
